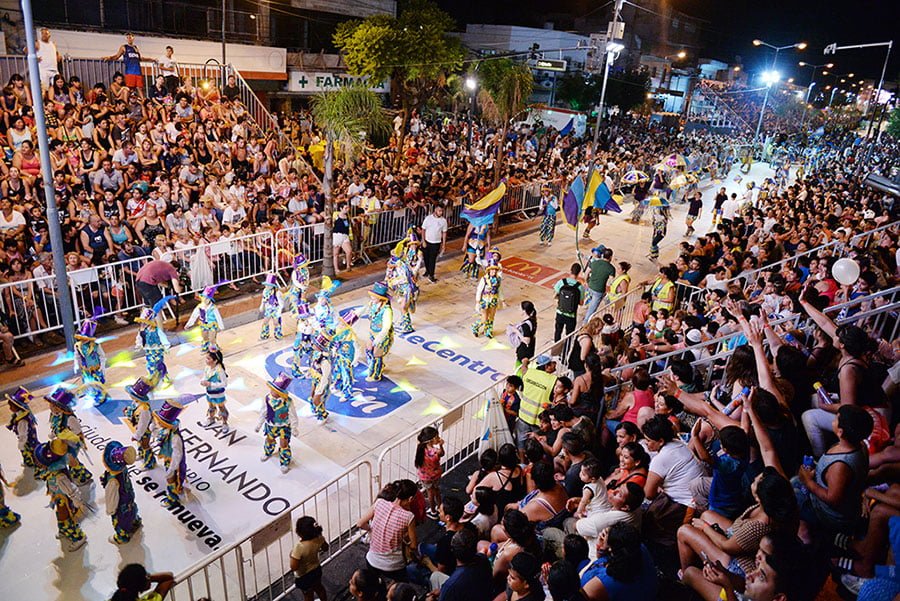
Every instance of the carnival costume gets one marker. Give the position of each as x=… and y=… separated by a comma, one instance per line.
x=320, y=375
x=660, y=219
x=549, y=208
x=155, y=343
x=138, y=416
x=120, y=505
x=171, y=447
x=271, y=307
x=402, y=286
x=23, y=423
x=487, y=298
x=215, y=380
x=52, y=460
x=90, y=360
x=207, y=315
x=303, y=339
x=299, y=283
x=476, y=245
x=66, y=426
x=381, y=331
x=343, y=354
x=8, y=517
x=279, y=415
x=323, y=311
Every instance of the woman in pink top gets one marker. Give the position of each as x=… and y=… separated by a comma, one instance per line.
x=391, y=525
x=628, y=408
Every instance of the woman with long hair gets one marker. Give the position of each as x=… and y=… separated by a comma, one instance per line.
x=624, y=569
x=134, y=579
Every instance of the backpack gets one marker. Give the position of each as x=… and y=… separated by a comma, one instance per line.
x=569, y=297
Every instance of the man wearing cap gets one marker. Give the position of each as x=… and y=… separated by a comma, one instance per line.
x=343, y=354
x=599, y=270
x=171, y=446
x=90, y=360
x=381, y=330
x=538, y=381
x=119, y=496
x=65, y=426
x=279, y=416
x=434, y=232
x=320, y=374
x=302, y=340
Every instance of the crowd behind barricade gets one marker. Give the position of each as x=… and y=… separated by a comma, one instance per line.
x=753, y=474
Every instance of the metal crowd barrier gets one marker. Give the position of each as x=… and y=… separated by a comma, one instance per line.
x=258, y=566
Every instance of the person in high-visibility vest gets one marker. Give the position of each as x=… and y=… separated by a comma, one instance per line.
x=538, y=381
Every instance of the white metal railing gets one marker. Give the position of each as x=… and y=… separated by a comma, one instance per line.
x=846, y=312
x=842, y=249
x=32, y=306
x=257, y=566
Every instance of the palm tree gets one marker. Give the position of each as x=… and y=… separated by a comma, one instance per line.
x=346, y=117
x=506, y=85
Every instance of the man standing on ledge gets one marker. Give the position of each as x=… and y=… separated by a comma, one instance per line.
x=434, y=231
x=150, y=277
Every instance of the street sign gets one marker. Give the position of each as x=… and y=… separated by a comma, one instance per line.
x=545, y=64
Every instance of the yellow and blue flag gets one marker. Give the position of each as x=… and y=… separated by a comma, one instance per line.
x=482, y=212
x=571, y=202
x=599, y=194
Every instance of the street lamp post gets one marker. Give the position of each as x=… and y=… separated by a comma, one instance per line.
x=777, y=49
x=56, y=241
x=812, y=82
x=471, y=86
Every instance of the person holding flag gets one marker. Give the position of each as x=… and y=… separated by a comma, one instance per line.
x=480, y=216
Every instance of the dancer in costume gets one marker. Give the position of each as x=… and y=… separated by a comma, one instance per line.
x=402, y=288
x=154, y=341
x=8, y=517
x=279, y=415
x=52, y=460
x=299, y=283
x=90, y=360
x=343, y=354
x=66, y=426
x=207, y=315
x=549, y=208
x=120, y=505
x=215, y=379
x=412, y=253
x=660, y=218
x=271, y=306
x=23, y=423
x=320, y=374
x=303, y=339
x=477, y=240
x=171, y=447
x=381, y=330
x=487, y=298
x=138, y=417
x=323, y=311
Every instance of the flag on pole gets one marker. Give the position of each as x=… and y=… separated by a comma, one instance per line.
x=599, y=194
x=571, y=202
x=496, y=431
x=482, y=212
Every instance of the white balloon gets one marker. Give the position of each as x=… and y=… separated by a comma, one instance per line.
x=845, y=271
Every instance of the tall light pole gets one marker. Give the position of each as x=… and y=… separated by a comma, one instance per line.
x=56, y=241
x=471, y=86
x=832, y=48
x=812, y=82
x=777, y=49
x=613, y=48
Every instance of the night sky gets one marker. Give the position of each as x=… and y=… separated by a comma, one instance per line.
x=732, y=25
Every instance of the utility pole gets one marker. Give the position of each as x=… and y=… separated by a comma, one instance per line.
x=56, y=241
x=615, y=31
x=224, y=62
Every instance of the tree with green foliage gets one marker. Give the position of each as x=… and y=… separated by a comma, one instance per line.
x=578, y=92
x=414, y=50
x=893, y=126
x=346, y=117
x=505, y=86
